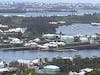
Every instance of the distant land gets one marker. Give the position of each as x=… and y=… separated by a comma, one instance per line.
x=55, y=1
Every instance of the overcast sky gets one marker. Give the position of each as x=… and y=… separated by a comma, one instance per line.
x=55, y=1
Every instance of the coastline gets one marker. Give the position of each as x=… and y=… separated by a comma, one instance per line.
x=62, y=49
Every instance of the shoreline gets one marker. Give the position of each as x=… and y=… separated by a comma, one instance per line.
x=62, y=49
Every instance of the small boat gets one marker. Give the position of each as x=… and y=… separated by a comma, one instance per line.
x=95, y=24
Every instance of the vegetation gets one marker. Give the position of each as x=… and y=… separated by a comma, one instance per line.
x=8, y=73
x=95, y=72
x=67, y=65
x=76, y=64
x=39, y=25
x=25, y=71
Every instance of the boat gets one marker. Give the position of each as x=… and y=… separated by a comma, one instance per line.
x=95, y=24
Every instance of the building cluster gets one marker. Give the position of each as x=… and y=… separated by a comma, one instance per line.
x=13, y=37
x=68, y=39
x=4, y=67
x=39, y=65
x=48, y=41
x=10, y=37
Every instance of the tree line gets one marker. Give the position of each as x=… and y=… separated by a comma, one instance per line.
x=38, y=25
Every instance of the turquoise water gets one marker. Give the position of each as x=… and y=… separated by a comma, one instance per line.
x=46, y=71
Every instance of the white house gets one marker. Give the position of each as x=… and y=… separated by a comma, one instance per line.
x=87, y=70
x=51, y=44
x=2, y=64
x=22, y=30
x=15, y=40
x=53, y=23
x=23, y=61
x=35, y=61
x=82, y=72
x=68, y=39
x=3, y=26
x=84, y=39
x=4, y=70
x=61, y=43
x=37, y=40
x=70, y=58
x=45, y=47
x=61, y=22
x=31, y=44
x=49, y=36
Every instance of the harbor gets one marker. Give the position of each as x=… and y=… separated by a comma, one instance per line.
x=49, y=38
x=70, y=50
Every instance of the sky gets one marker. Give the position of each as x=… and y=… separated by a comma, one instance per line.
x=55, y=1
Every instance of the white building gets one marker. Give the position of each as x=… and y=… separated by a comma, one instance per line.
x=51, y=44
x=87, y=70
x=75, y=73
x=84, y=39
x=3, y=26
x=37, y=40
x=61, y=43
x=31, y=44
x=35, y=61
x=15, y=40
x=53, y=22
x=61, y=22
x=2, y=64
x=23, y=61
x=49, y=36
x=44, y=47
x=22, y=30
x=70, y=58
x=67, y=39
x=82, y=72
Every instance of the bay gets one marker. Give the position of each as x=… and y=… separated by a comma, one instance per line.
x=78, y=29
x=74, y=29
x=9, y=56
x=84, y=29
